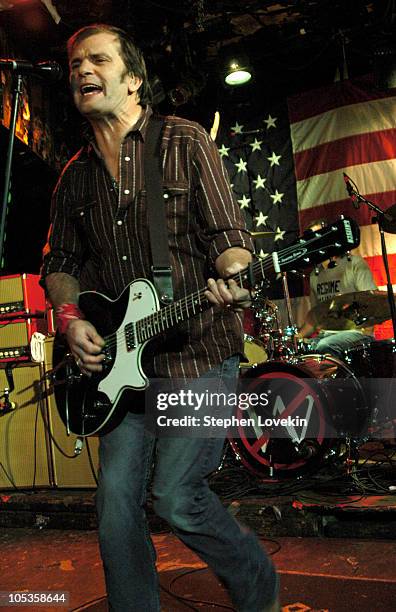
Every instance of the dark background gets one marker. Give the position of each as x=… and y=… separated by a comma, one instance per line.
x=291, y=47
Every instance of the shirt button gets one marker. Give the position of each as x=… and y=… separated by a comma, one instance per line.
x=127, y=158
x=119, y=222
x=124, y=257
x=126, y=191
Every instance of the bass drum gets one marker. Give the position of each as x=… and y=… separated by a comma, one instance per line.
x=291, y=414
x=375, y=364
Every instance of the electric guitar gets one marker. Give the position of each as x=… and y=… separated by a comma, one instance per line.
x=93, y=404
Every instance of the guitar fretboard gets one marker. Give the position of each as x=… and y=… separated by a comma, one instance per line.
x=193, y=304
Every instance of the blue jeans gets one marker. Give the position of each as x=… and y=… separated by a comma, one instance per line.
x=182, y=497
x=337, y=343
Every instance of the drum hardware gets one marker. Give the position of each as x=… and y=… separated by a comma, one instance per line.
x=258, y=343
x=318, y=388
x=352, y=403
x=285, y=339
x=386, y=223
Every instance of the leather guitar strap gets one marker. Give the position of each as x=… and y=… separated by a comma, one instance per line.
x=158, y=227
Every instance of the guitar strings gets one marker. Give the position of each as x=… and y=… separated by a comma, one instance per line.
x=160, y=317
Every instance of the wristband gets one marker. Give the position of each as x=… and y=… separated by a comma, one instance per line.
x=66, y=313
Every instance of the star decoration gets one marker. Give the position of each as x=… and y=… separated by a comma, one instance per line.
x=274, y=159
x=279, y=234
x=261, y=219
x=277, y=197
x=271, y=122
x=241, y=165
x=223, y=150
x=256, y=145
x=262, y=255
x=259, y=182
x=237, y=129
x=244, y=202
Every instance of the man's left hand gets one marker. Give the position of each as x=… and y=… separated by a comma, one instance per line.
x=228, y=294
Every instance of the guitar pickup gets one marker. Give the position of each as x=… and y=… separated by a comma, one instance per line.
x=130, y=337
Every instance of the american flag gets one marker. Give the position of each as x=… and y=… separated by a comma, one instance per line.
x=349, y=126
x=286, y=166
x=258, y=155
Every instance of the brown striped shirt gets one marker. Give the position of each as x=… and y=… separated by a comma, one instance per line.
x=99, y=233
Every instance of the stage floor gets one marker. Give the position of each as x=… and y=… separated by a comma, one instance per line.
x=336, y=575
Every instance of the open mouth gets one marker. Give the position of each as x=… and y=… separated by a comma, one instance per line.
x=90, y=89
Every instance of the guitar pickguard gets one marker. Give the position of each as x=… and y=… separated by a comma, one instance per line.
x=126, y=371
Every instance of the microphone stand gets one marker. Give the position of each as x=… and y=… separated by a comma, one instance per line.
x=17, y=87
x=381, y=215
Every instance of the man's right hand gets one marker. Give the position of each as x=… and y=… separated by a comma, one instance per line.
x=86, y=345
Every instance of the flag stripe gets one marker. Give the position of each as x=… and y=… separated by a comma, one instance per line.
x=345, y=152
x=343, y=122
x=333, y=210
x=330, y=187
x=311, y=103
x=370, y=244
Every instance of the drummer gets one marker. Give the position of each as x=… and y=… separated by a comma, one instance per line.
x=336, y=276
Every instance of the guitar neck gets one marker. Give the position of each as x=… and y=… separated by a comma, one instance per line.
x=312, y=248
x=170, y=316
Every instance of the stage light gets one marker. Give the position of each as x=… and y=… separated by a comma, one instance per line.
x=236, y=69
x=237, y=74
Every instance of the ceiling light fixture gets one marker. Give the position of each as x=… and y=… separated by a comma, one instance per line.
x=236, y=69
x=237, y=74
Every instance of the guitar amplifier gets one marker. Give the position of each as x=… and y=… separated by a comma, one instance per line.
x=22, y=312
x=15, y=338
x=23, y=437
x=21, y=294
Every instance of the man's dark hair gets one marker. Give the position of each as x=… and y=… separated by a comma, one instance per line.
x=130, y=53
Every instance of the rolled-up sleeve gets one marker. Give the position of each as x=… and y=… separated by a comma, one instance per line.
x=221, y=217
x=64, y=250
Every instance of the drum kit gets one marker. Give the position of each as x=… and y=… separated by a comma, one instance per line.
x=315, y=404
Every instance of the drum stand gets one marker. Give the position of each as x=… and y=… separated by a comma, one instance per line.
x=386, y=222
x=285, y=344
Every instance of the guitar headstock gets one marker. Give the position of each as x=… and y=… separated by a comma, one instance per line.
x=317, y=246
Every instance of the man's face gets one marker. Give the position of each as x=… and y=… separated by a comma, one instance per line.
x=99, y=81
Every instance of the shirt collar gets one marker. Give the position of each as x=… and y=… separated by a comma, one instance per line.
x=139, y=129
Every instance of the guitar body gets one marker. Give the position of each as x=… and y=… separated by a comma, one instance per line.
x=89, y=404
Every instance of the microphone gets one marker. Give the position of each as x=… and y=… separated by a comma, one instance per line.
x=46, y=69
x=350, y=191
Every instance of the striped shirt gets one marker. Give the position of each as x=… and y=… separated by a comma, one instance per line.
x=99, y=234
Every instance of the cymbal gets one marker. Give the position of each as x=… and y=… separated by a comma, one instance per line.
x=259, y=234
x=350, y=310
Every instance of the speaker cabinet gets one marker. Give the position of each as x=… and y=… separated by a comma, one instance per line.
x=21, y=293
x=69, y=470
x=23, y=440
